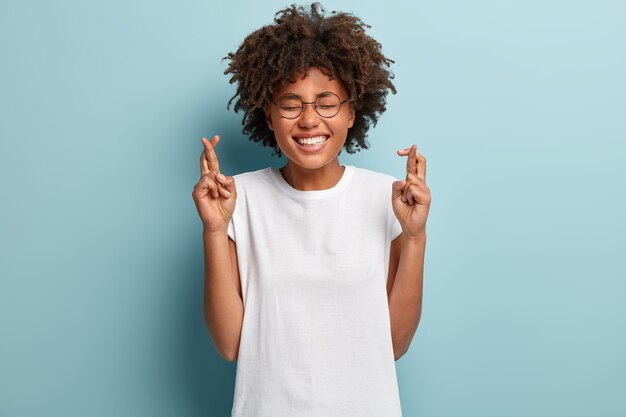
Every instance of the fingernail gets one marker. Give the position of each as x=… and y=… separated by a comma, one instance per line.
x=221, y=177
x=227, y=193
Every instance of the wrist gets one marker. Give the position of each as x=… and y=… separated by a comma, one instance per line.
x=419, y=237
x=209, y=233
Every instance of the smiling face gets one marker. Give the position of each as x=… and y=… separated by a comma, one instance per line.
x=310, y=124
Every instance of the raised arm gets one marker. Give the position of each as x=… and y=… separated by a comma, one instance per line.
x=215, y=197
x=411, y=202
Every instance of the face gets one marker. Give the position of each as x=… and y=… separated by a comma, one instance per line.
x=310, y=123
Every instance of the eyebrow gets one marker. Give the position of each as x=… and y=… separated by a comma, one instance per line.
x=299, y=96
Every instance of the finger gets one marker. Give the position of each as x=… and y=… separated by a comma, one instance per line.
x=397, y=188
x=407, y=195
x=206, y=186
x=211, y=184
x=224, y=192
x=220, y=178
x=225, y=185
x=405, y=192
x=209, y=149
x=230, y=186
x=414, y=183
x=421, y=167
x=415, y=180
x=412, y=180
x=418, y=194
x=199, y=190
x=411, y=164
x=204, y=164
x=403, y=151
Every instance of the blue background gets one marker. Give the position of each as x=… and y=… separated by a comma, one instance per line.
x=518, y=106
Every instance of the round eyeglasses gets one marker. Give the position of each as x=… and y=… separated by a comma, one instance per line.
x=326, y=104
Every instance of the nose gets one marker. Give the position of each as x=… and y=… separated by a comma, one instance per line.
x=309, y=117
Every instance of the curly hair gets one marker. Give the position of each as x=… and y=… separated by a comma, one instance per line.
x=275, y=55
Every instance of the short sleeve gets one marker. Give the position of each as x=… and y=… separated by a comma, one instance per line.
x=231, y=229
x=393, y=224
x=234, y=217
x=396, y=229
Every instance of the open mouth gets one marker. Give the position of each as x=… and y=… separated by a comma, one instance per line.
x=311, y=142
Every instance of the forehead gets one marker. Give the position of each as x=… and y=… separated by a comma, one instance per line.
x=312, y=84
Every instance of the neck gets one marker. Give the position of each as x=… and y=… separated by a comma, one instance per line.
x=305, y=179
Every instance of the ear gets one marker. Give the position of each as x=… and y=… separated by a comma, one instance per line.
x=351, y=117
x=268, y=116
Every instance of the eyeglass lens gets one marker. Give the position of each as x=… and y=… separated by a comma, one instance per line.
x=327, y=105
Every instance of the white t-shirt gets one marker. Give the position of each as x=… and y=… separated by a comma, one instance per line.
x=316, y=336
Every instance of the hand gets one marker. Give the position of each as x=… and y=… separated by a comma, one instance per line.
x=411, y=197
x=214, y=194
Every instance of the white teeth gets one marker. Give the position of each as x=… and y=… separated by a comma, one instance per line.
x=318, y=140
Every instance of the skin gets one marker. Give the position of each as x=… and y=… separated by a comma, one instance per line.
x=411, y=197
x=321, y=170
x=215, y=195
x=411, y=202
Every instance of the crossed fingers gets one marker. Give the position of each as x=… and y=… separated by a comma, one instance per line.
x=209, y=165
x=208, y=158
x=415, y=172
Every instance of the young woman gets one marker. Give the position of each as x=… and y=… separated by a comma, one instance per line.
x=313, y=271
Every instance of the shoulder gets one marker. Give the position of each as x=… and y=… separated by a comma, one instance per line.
x=376, y=189
x=253, y=178
x=374, y=178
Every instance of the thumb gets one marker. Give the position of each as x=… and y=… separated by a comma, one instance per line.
x=229, y=184
x=397, y=188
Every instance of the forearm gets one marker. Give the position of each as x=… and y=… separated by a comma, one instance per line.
x=223, y=306
x=405, y=298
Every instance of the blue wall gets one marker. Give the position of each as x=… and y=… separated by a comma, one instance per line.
x=519, y=108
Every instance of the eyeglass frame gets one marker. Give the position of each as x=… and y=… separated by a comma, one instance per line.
x=309, y=102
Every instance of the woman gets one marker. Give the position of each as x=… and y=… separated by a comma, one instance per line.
x=313, y=272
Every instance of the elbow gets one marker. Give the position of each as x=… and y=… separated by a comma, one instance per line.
x=226, y=347
x=225, y=350
x=401, y=347
x=231, y=352
x=229, y=355
x=397, y=353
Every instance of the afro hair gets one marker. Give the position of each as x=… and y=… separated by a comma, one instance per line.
x=275, y=55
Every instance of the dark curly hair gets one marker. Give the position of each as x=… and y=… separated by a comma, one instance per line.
x=275, y=55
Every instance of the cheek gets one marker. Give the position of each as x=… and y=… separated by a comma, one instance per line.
x=342, y=126
x=282, y=130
